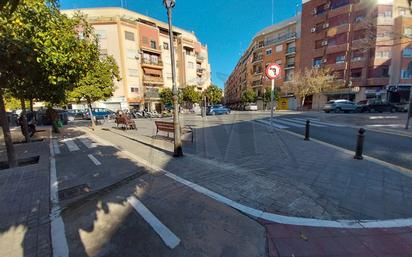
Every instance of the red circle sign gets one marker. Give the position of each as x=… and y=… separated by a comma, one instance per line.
x=273, y=71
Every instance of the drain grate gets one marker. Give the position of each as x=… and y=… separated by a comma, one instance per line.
x=75, y=191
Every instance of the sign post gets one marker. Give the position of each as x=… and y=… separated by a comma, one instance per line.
x=272, y=72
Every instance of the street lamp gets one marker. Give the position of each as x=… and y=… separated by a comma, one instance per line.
x=178, y=151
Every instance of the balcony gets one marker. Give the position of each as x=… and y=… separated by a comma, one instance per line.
x=290, y=66
x=385, y=21
x=200, y=70
x=257, y=58
x=200, y=56
x=378, y=81
x=291, y=50
x=151, y=49
x=151, y=63
x=285, y=37
x=149, y=79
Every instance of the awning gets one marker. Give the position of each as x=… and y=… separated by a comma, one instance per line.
x=149, y=71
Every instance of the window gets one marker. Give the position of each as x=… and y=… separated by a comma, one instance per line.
x=133, y=73
x=165, y=46
x=408, y=31
x=357, y=56
x=153, y=44
x=289, y=75
x=405, y=74
x=134, y=89
x=339, y=20
x=291, y=47
x=279, y=48
x=278, y=62
x=338, y=39
x=290, y=62
x=129, y=35
x=131, y=54
x=340, y=59
x=101, y=34
x=356, y=73
x=269, y=51
x=407, y=52
x=190, y=65
x=383, y=54
x=338, y=3
x=317, y=62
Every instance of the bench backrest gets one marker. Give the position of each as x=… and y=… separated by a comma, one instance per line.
x=162, y=125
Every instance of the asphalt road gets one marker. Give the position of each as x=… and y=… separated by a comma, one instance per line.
x=391, y=148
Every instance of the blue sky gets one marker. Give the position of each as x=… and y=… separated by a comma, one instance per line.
x=226, y=26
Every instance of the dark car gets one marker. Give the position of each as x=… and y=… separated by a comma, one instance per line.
x=376, y=105
x=217, y=109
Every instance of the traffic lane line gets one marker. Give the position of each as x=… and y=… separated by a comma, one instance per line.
x=94, y=160
x=168, y=237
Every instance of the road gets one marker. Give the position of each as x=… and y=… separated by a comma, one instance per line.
x=389, y=147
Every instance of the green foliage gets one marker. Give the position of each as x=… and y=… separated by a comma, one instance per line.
x=191, y=95
x=213, y=94
x=267, y=95
x=249, y=96
x=166, y=96
x=42, y=54
x=97, y=83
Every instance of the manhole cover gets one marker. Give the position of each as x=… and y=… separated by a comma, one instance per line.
x=72, y=192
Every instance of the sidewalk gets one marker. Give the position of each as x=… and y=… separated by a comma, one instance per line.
x=24, y=202
x=288, y=176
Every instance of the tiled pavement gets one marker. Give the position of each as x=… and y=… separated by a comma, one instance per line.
x=24, y=204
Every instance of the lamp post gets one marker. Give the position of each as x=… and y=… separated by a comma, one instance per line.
x=178, y=151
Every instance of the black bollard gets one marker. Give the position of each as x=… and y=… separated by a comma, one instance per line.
x=359, y=145
x=307, y=127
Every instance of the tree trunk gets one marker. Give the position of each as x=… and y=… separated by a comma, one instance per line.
x=24, y=126
x=31, y=105
x=89, y=104
x=11, y=153
x=303, y=102
x=318, y=102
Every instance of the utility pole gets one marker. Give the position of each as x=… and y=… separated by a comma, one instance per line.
x=178, y=150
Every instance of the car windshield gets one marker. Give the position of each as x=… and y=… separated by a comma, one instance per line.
x=217, y=128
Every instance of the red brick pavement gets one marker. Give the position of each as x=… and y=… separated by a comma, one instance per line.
x=302, y=241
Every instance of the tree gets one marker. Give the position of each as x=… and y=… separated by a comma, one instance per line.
x=213, y=94
x=166, y=96
x=249, y=96
x=313, y=81
x=42, y=56
x=190, y=95
x=97, y=83
x=268, y=94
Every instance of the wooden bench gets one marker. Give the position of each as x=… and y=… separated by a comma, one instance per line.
x=126, y=122
x=169, y=128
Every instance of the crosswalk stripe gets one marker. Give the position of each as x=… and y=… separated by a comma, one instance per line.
x=56, y=148
x=316, y=121
x=312, y=123
x=292, y=124
x=273, y=124
x=87, y=142
x=71, y=145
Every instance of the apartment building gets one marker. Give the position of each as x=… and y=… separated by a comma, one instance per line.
x=357, y=40
x=140, y=46
x=279, y=44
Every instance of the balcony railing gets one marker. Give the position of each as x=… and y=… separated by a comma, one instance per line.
x=282, y=38
x=151, y=62
x=200, y=56
x=291, y=50
x=257, y=58
x=152, y=79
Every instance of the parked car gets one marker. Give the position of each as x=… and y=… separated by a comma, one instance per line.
x=376, y=105
x=99, y=113
x=251, y=107
x=75, y=114
x=340, y=105
x=402, y=107
x=43, y=119
x=217, y=109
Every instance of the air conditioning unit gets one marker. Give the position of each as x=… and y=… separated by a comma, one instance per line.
x=313, y=29
x=324, y=43
x=324, y=60
x=326, y=25
x=314, y=11
x=326, y=6
x=137, y=57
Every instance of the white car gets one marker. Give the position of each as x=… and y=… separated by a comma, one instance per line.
x=251, y=107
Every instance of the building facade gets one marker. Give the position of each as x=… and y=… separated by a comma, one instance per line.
x=356, y=39
x=279, y=44
x=140, y=46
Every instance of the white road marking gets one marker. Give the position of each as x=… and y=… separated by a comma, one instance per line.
x=322, y=123
x=94, y=160
x=287, y=123
x=87, y=142
x=312, y=123
x=273, y=124
x=290, y=220
x=58, y=234
x=170, y=239
x=71, y=145
x=56, y=148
